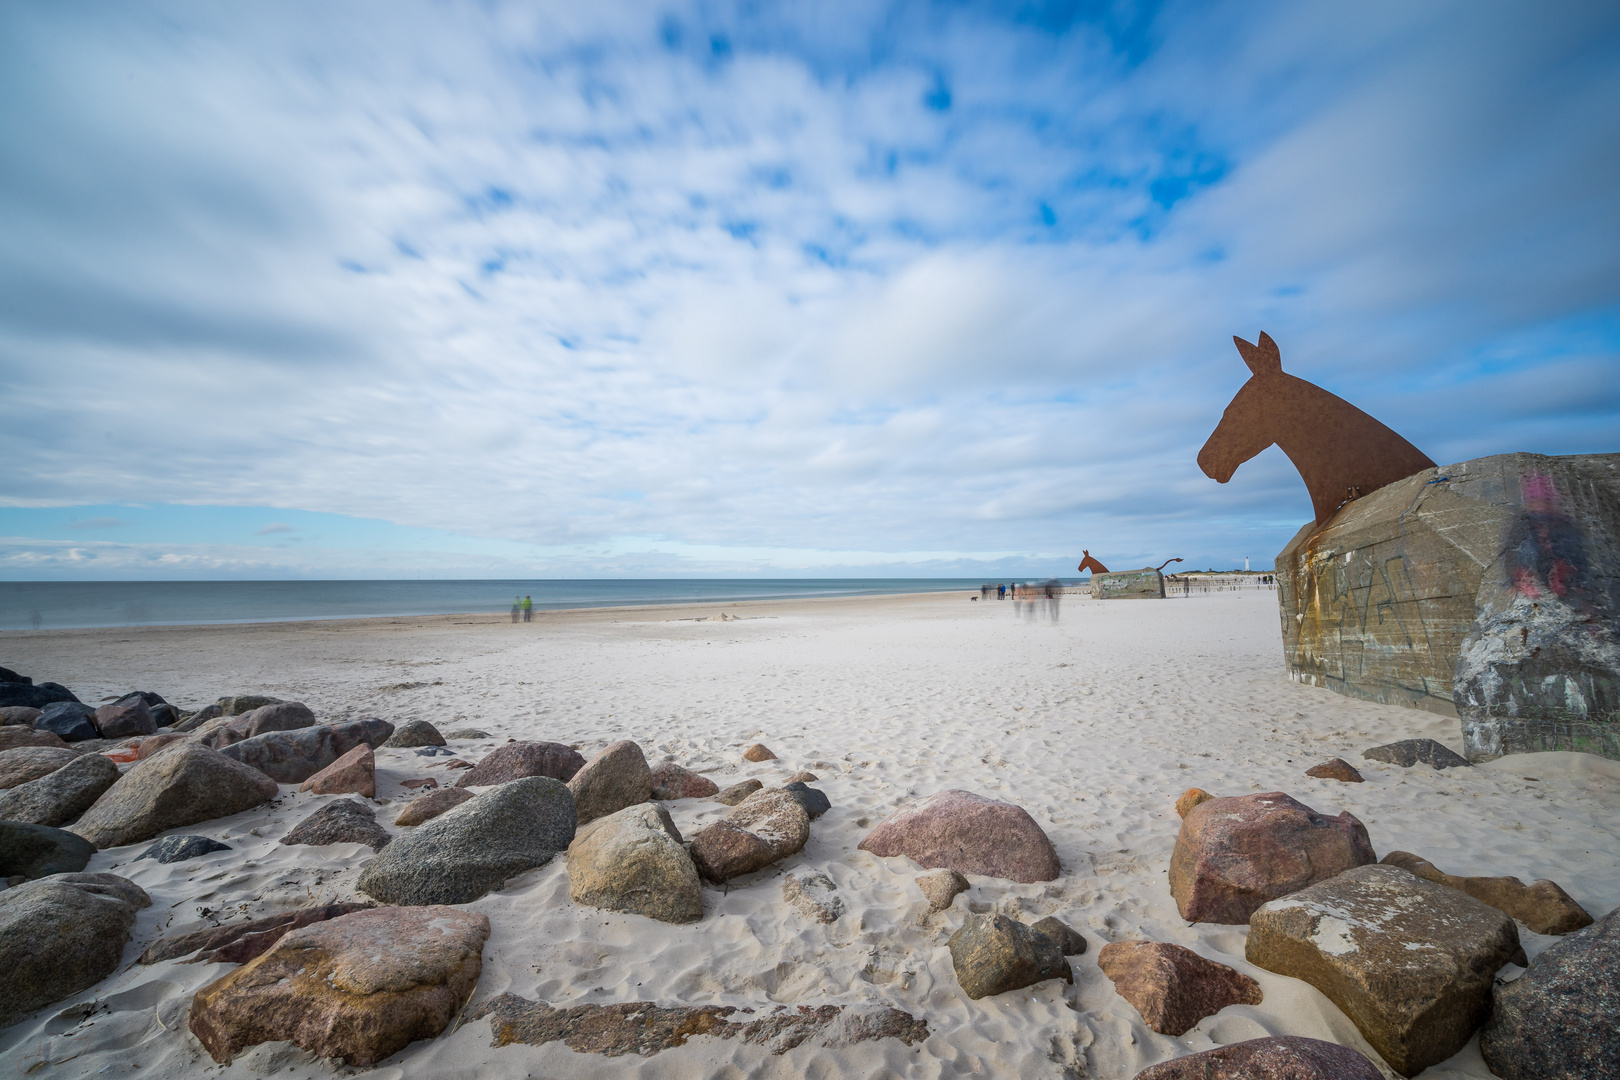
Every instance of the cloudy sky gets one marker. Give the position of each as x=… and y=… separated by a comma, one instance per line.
x=652, y=289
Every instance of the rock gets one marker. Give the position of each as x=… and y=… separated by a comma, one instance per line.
x=36, y=851
x=432, y=805
x=153, y=743
x=1543, y=907
x=180, y=787
x=758, y=752
x=671, y=782
x=993, y=954
x=1234, y=854
x=32, y=762
x=291, y=757
x=1409, y=962
x=633, y=861
x=1557, y=1020
x=165, y=715
x=1284, y=1057
x=963, y=831
x=355, y=773
x=59, y=797
x=814, y=800
x=1189, y=799
x=60, y=935
x=125, y=717
x=420, y=782
x=173, y=849
x=34, y=697
x=468, y=733
x=1336, y=769
x=199, y=718
x=237, y=943
x=736, y=793
x=280, y=716
x=455, y=763
x=346, y=821
x=7, y=675
x=69, y=719
x=18, y=716
x=415, y=733
x=762, y=829
x=13, y=737
x=1070, y=941
x=516, y=760
x=464, y=853
x=435, y=751
x=812, y=895
x=941, y=888
x=1408, y=752
x=614, y=779
x=801, y=777
x=244, y=703
x=359, y=987
x=1172, y=987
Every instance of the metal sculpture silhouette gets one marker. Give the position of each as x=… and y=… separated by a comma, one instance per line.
x=1341, y=452
x=1167, y=562
x=1088, y=563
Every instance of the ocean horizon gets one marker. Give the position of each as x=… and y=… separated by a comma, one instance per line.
x=69, y=605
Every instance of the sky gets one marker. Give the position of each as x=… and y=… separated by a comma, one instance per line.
x=726, y=290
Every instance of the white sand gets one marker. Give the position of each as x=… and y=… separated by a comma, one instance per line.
x=1093, y=725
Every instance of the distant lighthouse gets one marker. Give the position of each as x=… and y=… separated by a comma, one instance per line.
x=1245, y=564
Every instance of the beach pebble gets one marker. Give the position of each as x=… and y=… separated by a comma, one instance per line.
x=36, y=851
x=1408, y=752
x=812, y=895
x=614, y=779
x=183, y=786
x=468, y=733
x=237, y=943
x=60, y=935
x=1557, y=1020
x=736, y=793
x=359, y=987
x=433, y=751
x=18, y=715
x=34, y=697
x=1354, y=937
x=671, y=782
x=1189, y=799
x=69, y=719
x=281, y=716
x=801, y=777
x=1336, y=769
x=1282, y=1057
x=13, y=737
x=433, y=804
x=1235, y=853
x=758, y=752
x=59, y=797
x=346, y=821
x=173, y=849
x=415, y=733
x=293, y=756
x=420, y=782
x=27, y=763
x=127, y=716
x=814, y=800
x=767, y=826
x=961, y=831
x=1544, y=907
x=993, y=954
x=1069, y=940
x=516, y=760
x=1172, y=987
x=941, y=887
x=456, y=763
x=464, y=853
x=633, y=861
x=355, y=773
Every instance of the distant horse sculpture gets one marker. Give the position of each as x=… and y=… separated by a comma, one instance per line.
x=1088, y=563
x=1340, y=451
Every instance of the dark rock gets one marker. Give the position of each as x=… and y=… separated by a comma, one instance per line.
x=465, y=852
x=762, y=829
x=1409, y=962
x=433, y=804
x=1408, y=752
x=941, y=888
x=415, y=733
x=173, y=849
x=1173, y=987
x=346, y=821
x=18, y=715
x=293, y=756
x=60, y=935
x=59, y=797
x=435, y=751
x=969, y=833
x=34, y=697
x=1336, y=769
x=516, y=760
x=736, y=793
x=1543, y=907
x=1233, y=854
x=1557, y=1020
x=671, y=782
x=27, y=763
x=181, y=786
x=237, y=943
x=1070, y=940
x=633, y=861
x=125, y=717
x=165, y=715
x=36, y=851
x=199, y=718
x=993, y=954
x=7, y=675
x=69, y=719
x=1284, y=1057
x=614, y=779
x=814, y=800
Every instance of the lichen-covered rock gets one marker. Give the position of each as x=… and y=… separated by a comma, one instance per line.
x=181, y=786
x=1409, y=962
x=671, y=782
x=516, y=760
x=294, y=755
x=614, y=779
x=173, y=849
x=1409, y=752
x=59, y=797
x=766, y=827
x=359, y=987
x=28, y=763
x=1336, y=769
x=431, y=805
x=962, y=831
x=1235, y=853
x=814, y=895
x=633, y=861
x=1277, y=1057
x=1543, y=907
x=737, y=792
x=1189, y=799
x=62, y=934
x=415, y=733
x=1173, y=987
x=346, y=821
x=36, y=851
x=941, y=887
x=355, y=773
x=993, y=954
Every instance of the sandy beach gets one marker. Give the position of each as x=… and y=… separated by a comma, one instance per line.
x=1093, y=724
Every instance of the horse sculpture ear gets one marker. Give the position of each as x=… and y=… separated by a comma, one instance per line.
x=1264, y=358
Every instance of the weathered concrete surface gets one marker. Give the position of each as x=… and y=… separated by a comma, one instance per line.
x=1488, y=589
x=1144, y=584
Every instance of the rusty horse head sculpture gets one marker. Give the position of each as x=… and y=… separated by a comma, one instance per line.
x=1088, y=563
x=1340, y=451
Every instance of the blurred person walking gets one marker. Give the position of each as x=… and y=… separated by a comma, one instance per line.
x=517, y=605
x=528, y=609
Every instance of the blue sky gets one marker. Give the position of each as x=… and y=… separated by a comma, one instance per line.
x=662, y=289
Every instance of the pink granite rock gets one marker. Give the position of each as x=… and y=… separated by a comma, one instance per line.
x=355, y=773
x=1285, y=1057
x=432, y=804
x=516, y=760
x=961, y=831
x=671, y=782
x=1173, y=987
x=1234, y=854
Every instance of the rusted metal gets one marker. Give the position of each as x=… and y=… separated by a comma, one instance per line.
x=1089, y=563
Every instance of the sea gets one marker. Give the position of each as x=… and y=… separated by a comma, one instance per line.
x=57, y=605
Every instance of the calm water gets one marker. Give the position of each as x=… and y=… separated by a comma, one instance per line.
x=26, y=605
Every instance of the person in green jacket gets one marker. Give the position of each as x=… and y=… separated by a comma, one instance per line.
x=528, y=609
